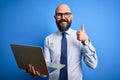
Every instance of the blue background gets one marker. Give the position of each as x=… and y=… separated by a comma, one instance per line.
x=30, y=21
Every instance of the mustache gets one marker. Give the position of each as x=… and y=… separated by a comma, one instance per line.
x=62, y=20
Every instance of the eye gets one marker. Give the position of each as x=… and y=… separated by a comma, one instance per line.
x=58, y=14
x=67, y=13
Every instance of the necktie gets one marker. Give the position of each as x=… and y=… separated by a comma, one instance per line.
x=63, y=58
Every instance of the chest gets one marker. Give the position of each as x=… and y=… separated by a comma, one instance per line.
x=73, y=48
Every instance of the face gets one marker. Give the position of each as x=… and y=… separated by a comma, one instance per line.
x=63, y=17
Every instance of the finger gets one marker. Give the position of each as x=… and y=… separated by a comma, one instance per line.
x=77, y=32
x=29, y=67
x=33, y=70
x=82, y=28
x=37, y=73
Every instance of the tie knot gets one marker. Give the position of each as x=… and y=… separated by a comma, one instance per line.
x=64, y=34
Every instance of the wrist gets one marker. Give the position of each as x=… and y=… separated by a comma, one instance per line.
x=86, y=42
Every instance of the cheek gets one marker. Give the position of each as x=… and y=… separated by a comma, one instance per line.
x=57, y=20
x=69, y=19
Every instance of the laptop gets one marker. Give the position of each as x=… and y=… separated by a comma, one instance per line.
x=25, y=55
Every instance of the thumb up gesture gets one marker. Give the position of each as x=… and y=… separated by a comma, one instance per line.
x=81, y=35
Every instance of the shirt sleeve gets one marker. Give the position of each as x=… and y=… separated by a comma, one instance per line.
x=89, y=55
x=46, y=50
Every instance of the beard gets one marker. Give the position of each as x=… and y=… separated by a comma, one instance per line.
x=63, y=28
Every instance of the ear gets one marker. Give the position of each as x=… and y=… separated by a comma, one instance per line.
x=54, y=17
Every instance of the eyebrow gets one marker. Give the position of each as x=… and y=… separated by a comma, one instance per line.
x=63, y=13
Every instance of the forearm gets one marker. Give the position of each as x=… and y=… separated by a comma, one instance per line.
x=90, y=56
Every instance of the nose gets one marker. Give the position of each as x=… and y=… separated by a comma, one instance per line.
x=62, y=16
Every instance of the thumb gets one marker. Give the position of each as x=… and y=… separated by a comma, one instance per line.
x=82, y=28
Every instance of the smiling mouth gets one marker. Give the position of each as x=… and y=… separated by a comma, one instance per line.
x=64, y=22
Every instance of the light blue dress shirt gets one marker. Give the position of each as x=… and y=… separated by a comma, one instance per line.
x=76, y=52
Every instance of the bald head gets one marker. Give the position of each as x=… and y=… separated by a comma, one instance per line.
x=63, y=17
x=63, y=8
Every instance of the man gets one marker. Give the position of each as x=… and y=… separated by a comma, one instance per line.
x=67, y=46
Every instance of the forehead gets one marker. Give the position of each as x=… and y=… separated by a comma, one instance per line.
x=63, y=9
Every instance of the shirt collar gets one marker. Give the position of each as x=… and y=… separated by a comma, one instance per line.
x=69, y=31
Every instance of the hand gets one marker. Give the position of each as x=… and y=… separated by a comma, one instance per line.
x=31, y=70
x=81, y=35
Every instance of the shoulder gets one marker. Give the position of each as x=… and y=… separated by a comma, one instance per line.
x=53, y=35
x=72, y=32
